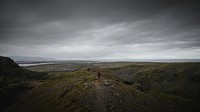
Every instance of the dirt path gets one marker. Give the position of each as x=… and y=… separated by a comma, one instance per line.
x=99, y=102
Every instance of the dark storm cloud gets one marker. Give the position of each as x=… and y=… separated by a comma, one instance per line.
x=24, y=12
x=65, y=28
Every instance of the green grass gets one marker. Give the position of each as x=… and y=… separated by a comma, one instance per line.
x=54, y=94
x=157, y=87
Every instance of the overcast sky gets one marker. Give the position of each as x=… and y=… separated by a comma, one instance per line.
x=100, y=29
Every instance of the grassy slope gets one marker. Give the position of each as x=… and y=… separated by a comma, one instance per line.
x=172, y=78
x=128, y=71
x=182, y=79
x=76, y=91
x=179, y=79
x=157, y=87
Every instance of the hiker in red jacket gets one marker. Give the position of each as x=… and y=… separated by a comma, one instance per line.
x=99, y=74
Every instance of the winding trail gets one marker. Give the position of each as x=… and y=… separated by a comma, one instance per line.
x=99, y=102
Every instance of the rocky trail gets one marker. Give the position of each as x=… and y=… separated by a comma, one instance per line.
x=99, y=101
x=105, y=95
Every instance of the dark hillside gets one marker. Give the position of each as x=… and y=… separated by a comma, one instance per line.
x=7, y=63
x=15, y=81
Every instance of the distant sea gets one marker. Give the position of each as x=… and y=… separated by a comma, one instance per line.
x=32, y=64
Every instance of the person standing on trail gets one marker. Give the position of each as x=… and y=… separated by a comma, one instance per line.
x=99, y=73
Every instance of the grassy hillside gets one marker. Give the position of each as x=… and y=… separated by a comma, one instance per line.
x=82, y=91
x=181, y=78
x=128, y=71
x=123, y=87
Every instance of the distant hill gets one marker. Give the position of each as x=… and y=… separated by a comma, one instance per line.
x=8, y=68
x=177, y=78
x=29, y=58
x=165, y=77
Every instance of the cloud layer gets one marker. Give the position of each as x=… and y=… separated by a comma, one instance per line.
x=100, y=29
